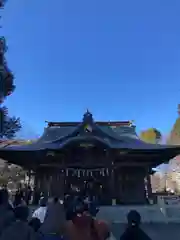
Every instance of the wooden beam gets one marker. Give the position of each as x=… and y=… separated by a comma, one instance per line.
x=72, y=165
x=106, y=123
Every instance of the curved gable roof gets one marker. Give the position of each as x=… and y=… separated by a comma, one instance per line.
x=52, y=134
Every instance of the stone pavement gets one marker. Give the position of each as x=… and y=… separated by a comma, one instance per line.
x=157, y=231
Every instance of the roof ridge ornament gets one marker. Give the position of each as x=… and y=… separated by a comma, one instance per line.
x=88, y=117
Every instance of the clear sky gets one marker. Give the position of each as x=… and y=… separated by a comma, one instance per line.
x=120, y=59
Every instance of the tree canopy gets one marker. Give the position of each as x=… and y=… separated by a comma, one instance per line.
x=12, y=173
x=174, y=137
x=8, y=125
x=6, y=77
x=11, y=127
x=151, y=135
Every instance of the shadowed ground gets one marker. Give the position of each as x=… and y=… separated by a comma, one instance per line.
x=157, y=231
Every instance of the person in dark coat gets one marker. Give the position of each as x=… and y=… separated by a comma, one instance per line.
x=73, y=202
x=19, y=229
x=35, y=223
x=93, y=206
x=18, y=197
x=133, y=230
x=6, y=211
x=54, y=219
x=83, y=226
x=28, y=195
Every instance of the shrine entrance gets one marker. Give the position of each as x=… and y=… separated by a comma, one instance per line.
x=132, y=185
x=90, y=182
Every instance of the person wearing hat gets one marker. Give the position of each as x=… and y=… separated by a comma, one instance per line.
x=133, y=230
x=40, y=213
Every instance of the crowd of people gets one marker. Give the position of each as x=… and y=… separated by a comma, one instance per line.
x=70, y=219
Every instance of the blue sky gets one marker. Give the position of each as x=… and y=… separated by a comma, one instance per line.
x=120, y=59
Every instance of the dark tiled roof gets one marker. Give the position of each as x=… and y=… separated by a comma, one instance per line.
x=115, y=135
x=55, y=133
x=123, y=143
x=120, y=131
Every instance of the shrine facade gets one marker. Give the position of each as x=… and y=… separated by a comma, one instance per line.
x=104, y=159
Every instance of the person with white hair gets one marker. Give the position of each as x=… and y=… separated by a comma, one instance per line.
x=40, y=213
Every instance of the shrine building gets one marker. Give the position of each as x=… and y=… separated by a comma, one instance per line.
x=107, y=158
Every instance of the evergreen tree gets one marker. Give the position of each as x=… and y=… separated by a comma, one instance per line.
x=8, y=125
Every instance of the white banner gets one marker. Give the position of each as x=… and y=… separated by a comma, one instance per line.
x=87, y=172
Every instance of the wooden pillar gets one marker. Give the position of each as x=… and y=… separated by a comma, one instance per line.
x=62, y=183
x=37, y=181
x=44, y=184
x=36, y=188
x=113, y=190
x=48, y=179
x=29, y=177
x=148, y=186
x=111, y=170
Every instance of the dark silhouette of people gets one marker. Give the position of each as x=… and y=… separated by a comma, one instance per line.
x=54, y=220
x=36, y=197
x=28, y=195
x=73, y=202
x=84, y=226
x=6, y=211
x=18, y=197
x=19, y=229
x=133, y=230
x=35, y=223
